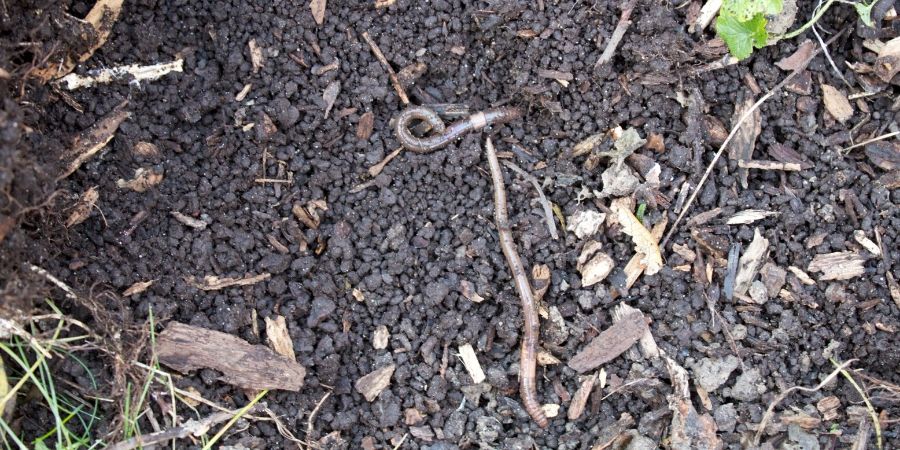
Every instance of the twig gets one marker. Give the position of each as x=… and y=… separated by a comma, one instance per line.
x=768, y=165
x=617, y=34
x=387, y=66
x=402, y=440
x=528, y=354
x=869, y=407
x=312, y=415
x=235, y=418
x=825, y=49
x=771, y=410
x=548, y=212
x=874, y=139
x=734, y=130
x=377, y=168
x=191, y=428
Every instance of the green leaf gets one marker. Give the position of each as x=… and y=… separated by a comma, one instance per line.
x=865, y=13
x=773, y=7
x=742, y=36
x=746, y=10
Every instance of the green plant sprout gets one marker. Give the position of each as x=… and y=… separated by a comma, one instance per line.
x=742, y=23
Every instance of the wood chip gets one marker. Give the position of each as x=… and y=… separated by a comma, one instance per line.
x=467, y=289
x=888, y=62
x=829, y=407
x=279, y=338
x=358, y=295
x=143, y=180
x=309, y=214
x=769, y=165
x=838, y=265
x=240, y=96
x=593, y=264
x=380, y=337
x=871, y=247
x=579, y=400
x=587, y=144
x=384, y=3
x=372, y=384
x=329, y=96
x=365, y=126
x=836, y=103
x=801, y=275
x=137, y=288
x=185, y=348
x=785, y=154
x=423, y=433
x=884, y=154
x=689, y=429
x=744, y=142
x=189, y=221
x=644, y=242
x=748, y=216
x=751, y=261
x=214, y=283
x=256, y=56
x=317, y=7
x=798, y=60
x=647, y=343
x=655, y=142
x=611, y=343
x=545, y=358
x=377, y=168
x=470, y=361
x=685, y=252
x=555, y=74
x=83, y=208
x=90, y=141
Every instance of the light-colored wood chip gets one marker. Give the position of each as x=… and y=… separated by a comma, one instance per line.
x=372, y=384
x=470, y=361
x=137, y=288
x=748, y=216
x=644, y=242
x=551, y=410
x=214, y=283
x=468, y=291
x=256, y=56
x=801, y=275
x=90, y=141
x=611, y=343
x=365, y=126
x=145, y=149
x=279, y=339
x=751, y=261
x=240, y=96
x=743, y=144
x=887, y=64
x=836, y=103
x=308, y=214
x=685, y=252
x=579, y=400
x=83, y=208
x=134, y=73
x=189, y=221
x=380, y=337
x=829, y=407
x=838, y=265
x=143, y=180
x=384, y=3
x=770, y=165
x=185, y=348
x=871, y=247
x=545, y=358
x=593, y=264
x=317, y=7
x=358, y=295
x=330, y=95
x=647, y=343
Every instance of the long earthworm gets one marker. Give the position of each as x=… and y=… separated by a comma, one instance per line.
x=528, y=353
x=446, y=134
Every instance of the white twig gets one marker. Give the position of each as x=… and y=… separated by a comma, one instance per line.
x=140, y=73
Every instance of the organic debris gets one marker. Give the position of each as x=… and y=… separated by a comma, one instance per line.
x=135, y=73
x=689, y=430
x=610, y=343
x=744, y=141
x=83, y=208
x=836, y=103
x=309, y=214
x=644, y=242
x=749, y=216
x=467, y=289
x=186, y=348
x=579, y=400
x=888, y=62
x=585, y=223
x=93, y=139
x=799, y=59
x=185, y=219
x=372, y=384
x=470, y=361
x=137, y=288
x=143, y=180
x=593, y=264
x=279, y=338
x=214, y=283
x=317, y=7
x=380, y=337
x=838, y=265
x=750, y=263
x=329, y=96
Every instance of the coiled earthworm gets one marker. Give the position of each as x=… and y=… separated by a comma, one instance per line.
x=446, y=134
x=528, y=353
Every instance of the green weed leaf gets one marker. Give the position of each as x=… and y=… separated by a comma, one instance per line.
x=742, y=36
x=865, y=13
x=747, y=10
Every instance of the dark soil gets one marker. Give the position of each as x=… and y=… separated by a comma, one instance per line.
x=425, y=224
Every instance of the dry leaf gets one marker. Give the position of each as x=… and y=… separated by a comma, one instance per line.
x=84, y=207
x=145, y=149
x=279, y=339
x=838, y=265
x=380, y=337
x=888, y=62
x=189, y=221
x=256, y=56
x=318, y=10
x=92, y=140
x=750, y=263
x=137, y=288
x=143, y=179
x=610, y=343
x=214, y=283
x=308, y=214
x=102, y=17
x=836, y=103
x=644, y=242
x=330, y=95
x=185, y=348
x=365, y=126
x=742, y=145
x=585, y=223
x=372, y=384
x=470, y=361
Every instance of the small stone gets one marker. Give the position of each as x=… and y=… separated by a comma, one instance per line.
x=488, y=429
x=747, y=387
x=640, y=442
x=758, y=292
x=798, y=439
x=711, y=373
x=725, y=417
x=320, y=310
x=436, y=291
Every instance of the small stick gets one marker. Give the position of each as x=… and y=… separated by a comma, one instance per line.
x=734, y=130
x=874, y=139
x=191, y=428
x=617, y=35
x=387, y=66
x=768, y=165
x=528, y=354
x=548, y=212
x=377, y=168
x=312, y=415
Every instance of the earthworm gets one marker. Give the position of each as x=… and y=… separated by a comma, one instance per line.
x=446, y=134
x=528, y=353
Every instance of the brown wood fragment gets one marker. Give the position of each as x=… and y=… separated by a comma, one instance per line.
x=308, y=214
x=467, y=289
x=829, y=407
x=365, y=126
x=83, y=208
x=256, y=57
x=769, y=165
x=137, y=288
x=579, y=400
x=888, y=62
x=617, y=34
x=836, y=103
x=785, y=154
x=611, y=343
x=90, y=141
x=744, y=141
x=377, y=168
x=838, y=265
x=372, y=384
x=890, y=180
x=409, y=74
x=185, y=348
x=647, y=343
x=799, y=59
x=884, y=154
x=279, y=339
x=555, y=74
x=189, y=221
x=750, y=263
x=801, y=420
x=704, y=217
x=214, y=283
x=387, y=66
